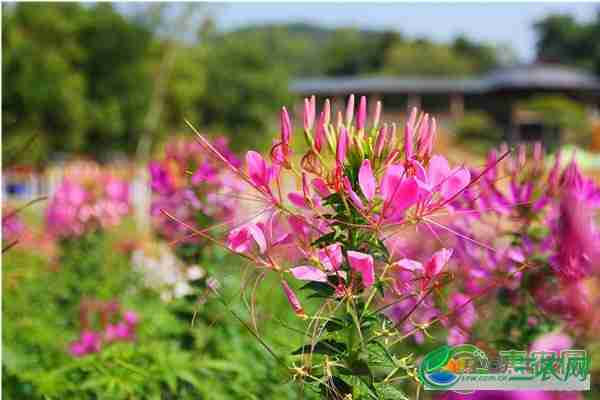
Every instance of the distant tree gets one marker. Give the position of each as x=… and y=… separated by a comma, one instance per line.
x=245, y=86
x=422, y=57
x=75, y=75
x=561, y=38
x=482, y=56
x=118, y=77
x=44, y=91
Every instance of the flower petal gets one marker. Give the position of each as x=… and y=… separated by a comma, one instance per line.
x=321, y=187
x=437, y=262
x=331, y=257
x=456, y=181
x=292, y=299
x=298, y=200
x=353, y=196
x=257, y=168
x=363, y=264
x=438, y=170
x=366, y=180
x=308, y=273
x=342, y=146
x=259, y=237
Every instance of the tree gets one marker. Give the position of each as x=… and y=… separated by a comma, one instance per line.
x=423, y=57
x=74, y=75
x=561, y=38
x=483, y=57
x=245, y=86
x=44, y=91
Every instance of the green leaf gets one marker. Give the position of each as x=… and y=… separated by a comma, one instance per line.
x=327, y=346
x=359, y=367
x=335, y=388
x=321, y=289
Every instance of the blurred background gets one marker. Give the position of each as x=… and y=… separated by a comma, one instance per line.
x=111, y=83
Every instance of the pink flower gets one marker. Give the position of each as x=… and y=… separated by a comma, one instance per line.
x=331, y=257
x=131, y=318
x=361, y=118
x=292, y=299
x=437, y=262
x=448, y=182
x=342, y=147
x=366, y=180
x=554, y=341
x=321, y=187
x=398, y=192
x=258, y=170
x=239, y=240
x=363, y=264
x=77, y=349
x=308, y=273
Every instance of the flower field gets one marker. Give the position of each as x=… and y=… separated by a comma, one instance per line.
x=325, y=267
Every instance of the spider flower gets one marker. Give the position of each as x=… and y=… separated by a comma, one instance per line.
x=188, y=187
x=84, y=202
x=356, y=187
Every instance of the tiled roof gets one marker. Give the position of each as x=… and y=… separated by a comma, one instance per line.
x=535, y=76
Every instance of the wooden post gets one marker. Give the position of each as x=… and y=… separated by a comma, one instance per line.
x=457, y=105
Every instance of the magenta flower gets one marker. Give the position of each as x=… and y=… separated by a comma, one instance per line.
x=363, y=264
x=211, y=192
x=331, y=257
x=366, y=180
x=292, y=299
x=554, y=341
x=308, y=273
x=87, y=202
x=12, y=226
x=89, y=342
x=258, y=170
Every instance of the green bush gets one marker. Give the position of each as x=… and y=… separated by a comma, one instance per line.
x=183, y=350
x=479, y=130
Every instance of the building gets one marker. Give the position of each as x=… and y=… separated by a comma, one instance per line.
x=497, y=93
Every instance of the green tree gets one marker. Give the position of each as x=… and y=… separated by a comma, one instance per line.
x=561, y=38
x=74, y=75
x=423, y=57
x=118, y=77
x=44, y=91
x=482, y=56
x=245, y=87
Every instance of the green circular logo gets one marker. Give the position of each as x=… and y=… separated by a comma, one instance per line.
x=443, y=367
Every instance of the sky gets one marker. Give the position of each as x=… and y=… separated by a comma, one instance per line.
x=496, y=23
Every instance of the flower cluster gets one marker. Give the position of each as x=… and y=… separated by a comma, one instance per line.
x=361, y=188
x=87, y=199
x=115, y=326
x=527, y=231
x=12, y=226
x=394, y=239
x=191, y=189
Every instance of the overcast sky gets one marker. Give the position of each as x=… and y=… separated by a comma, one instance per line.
x=500, y=23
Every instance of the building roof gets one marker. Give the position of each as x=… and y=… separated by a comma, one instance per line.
x=535, y=76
